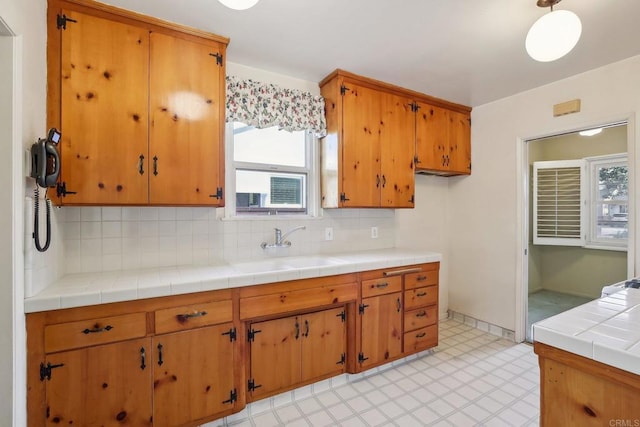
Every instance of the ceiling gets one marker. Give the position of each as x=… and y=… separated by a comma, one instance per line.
x=466, y=51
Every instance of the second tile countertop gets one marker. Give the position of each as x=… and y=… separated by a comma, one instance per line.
x=84, y=289
x=605, y=330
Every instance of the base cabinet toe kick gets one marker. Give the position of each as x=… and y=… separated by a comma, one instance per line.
x=189, y=359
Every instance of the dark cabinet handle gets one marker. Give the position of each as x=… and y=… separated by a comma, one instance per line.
x=377, y=181
x=97, y=330
x=421, y=278
x=183, y=317
x=306, y=327
x=421, y=294
x=143, y=358
x=421, y=314
x=155, y=165
x=384, y=181
x=382, y=285
x=422, y=335
x=160, y=361
x=297, y=329
x=399, y=305
x=141, y=165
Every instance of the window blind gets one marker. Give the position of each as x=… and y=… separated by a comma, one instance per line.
x=558, y=202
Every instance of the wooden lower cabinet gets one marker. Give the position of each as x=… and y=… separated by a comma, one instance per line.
x=192, y=375
x=381, y=329
x=106, y=385
x=577, y=391
x=296, y=350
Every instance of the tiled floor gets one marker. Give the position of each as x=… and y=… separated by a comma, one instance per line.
x=544, y=304
x=472, y=379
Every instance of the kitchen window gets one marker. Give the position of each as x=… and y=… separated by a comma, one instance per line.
x=271, y=171
x=582, y=202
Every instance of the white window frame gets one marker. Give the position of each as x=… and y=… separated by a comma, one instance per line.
x=311, y=191
x=593, y=163
x=589, y=199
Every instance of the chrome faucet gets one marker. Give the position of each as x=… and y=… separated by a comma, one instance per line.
x=280, y=238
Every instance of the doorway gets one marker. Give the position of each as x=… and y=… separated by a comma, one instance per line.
x=577, y=218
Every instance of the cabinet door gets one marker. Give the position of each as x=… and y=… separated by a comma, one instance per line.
x=323, y=343
x=360, y=165
x=107, y=385
x=432, y=137
x=460, y=143
x=398, y=149
x=104, y=122
x=193, y=374
x=275, y=355
x=185, y=104
x=381, y=329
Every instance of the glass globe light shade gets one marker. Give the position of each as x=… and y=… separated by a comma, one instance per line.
x=239, y=4
x=553, y=35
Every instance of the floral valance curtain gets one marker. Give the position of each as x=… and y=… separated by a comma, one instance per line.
x=265, y=105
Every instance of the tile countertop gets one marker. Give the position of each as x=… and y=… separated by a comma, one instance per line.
x=76, y=290
x=605, y=330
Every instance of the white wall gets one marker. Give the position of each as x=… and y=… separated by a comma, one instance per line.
x=485, y=219
x=29, y=75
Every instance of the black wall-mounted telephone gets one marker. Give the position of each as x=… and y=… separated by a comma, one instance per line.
x=45, y=168
x=45, y=160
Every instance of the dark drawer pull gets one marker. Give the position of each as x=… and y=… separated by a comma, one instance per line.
x=382, y=285
x=421, y=278
x=183, y=317
x=422, y=335
x=96, y=330
x=421, y=314
x=421, y=294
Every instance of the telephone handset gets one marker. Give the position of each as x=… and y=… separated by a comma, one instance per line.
x=45, y=160
x=45, y=168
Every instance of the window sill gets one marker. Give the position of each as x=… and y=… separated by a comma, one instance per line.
x=603, y=247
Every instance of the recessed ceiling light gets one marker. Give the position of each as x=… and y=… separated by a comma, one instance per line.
x=590, y=132
x=239, y=4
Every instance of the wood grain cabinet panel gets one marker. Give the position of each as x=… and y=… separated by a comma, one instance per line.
x=381, y=339
x=192, y=316
x=421, y=339
x=193, y=375
x=296, y=350
x=420, y=297
x=106, y=385
x=419, y=318
x=140, y=106
x=381, y=286
x=103, y=111
x=85, y=333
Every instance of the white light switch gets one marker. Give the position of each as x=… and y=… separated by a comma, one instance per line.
x=374, y=232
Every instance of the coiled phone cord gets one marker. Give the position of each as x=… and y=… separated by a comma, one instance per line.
x=36, y=229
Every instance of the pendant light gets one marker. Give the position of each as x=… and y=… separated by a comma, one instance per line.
x=239, y=4
x=553, y=35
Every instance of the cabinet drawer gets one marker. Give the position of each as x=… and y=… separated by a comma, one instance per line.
x=420, y=296
x=386, y=285
x=85, y=333
x=421, y=317
x=423, y=278
x=421, y=339
x=284, y=302
x=193, y=316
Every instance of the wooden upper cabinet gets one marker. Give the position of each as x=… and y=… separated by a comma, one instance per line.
x=367, y=155
x=443, y=140
x=361, y=152
x=397, y=144
x=185, y=135
x=103, y=121
x=140, y=106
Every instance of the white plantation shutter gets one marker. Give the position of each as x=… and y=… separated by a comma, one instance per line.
x=558, y=203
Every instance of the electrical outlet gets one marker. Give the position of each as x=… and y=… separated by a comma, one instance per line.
x=328, y=233
x=374, y=232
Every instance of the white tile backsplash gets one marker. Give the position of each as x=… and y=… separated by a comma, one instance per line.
x=95, y=239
